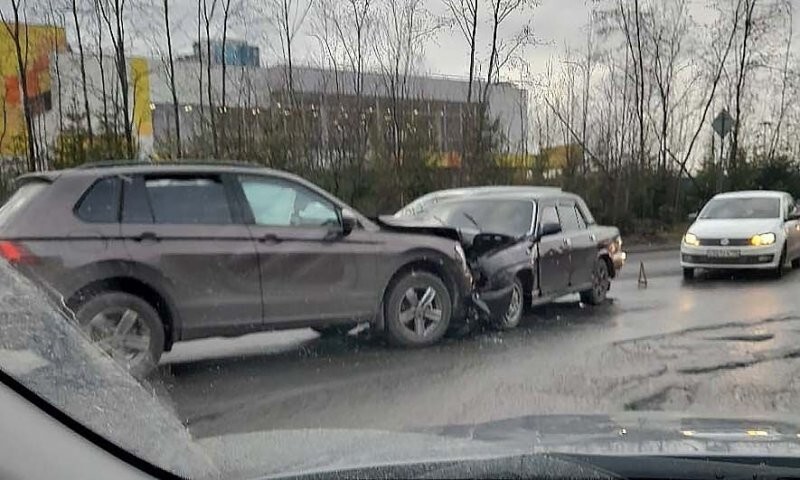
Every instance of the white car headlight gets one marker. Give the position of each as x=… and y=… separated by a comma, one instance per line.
x=691, y=239
x=762, y=239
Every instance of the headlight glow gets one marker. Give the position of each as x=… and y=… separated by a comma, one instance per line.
x=762, y=239
x=691, y=239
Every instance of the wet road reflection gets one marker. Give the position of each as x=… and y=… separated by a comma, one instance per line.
x=724, y=343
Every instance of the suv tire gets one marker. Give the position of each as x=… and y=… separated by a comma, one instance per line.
x=417, y=309
x=126, y=327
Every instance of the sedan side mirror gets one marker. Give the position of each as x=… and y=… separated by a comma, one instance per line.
x=692, y=216
x=349, y=222
x=794, y=214
x=549, y=229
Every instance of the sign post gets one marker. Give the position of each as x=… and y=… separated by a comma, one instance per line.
x=722, y=125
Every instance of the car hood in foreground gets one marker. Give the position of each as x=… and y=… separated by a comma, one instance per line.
x=287, y=452
x=734, y=228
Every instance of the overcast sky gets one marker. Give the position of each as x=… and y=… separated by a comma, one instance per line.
x=556, y=23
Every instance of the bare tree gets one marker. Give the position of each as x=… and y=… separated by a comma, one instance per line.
x=464, y=15
x=785, y=81
x=82, y=63
x=743, y=57
x=113, y=13
x=407, y=26
x=15, y=30
x=288, y=17
x=226, y=6
x=208, y=15
x=102, y=68
x=171, y=78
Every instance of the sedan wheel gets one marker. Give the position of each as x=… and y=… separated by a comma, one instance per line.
x=778, y=272
x=513, y=315
x=601, y=283
x=417, y=309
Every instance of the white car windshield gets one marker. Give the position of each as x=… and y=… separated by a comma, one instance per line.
x=744, y=208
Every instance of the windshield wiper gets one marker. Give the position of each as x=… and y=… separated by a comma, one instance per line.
x=472, y=220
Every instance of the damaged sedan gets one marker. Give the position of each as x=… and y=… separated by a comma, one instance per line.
x=527, y=247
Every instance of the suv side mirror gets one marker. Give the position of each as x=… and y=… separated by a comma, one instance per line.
x=794, y=214
x=349, y=222
x=549, y=229
x=692, y=216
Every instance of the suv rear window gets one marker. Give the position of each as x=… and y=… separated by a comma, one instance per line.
x=20, y=199
x=188, y=200
x=100, y=204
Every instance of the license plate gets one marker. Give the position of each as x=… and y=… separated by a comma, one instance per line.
x=724, y=253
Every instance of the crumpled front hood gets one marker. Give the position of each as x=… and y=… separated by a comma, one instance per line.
x=629, y=433
x=416, y=225
x=734, y=228
x=475, y=243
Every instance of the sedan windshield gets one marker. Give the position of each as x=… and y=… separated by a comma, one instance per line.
x=509, y=217
x=744, y=208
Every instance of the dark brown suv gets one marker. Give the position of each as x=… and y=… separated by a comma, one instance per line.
x=149, y=255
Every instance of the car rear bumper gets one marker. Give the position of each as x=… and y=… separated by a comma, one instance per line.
x=748, y=257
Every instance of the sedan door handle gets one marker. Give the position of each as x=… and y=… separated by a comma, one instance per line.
x=270, y=238
x=592, y=237
x=568, y=242
x=146, y=237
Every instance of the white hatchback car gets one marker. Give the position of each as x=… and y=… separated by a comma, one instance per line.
x=743, y=230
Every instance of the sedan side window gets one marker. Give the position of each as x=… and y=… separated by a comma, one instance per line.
x=279, y=203
x=569, y=219
x=581, y=220
x=549, y=215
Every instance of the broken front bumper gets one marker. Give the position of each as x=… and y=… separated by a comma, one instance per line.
x=492, y=304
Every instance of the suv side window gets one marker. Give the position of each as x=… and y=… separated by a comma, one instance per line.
x=280, y=203
x=188, y=200
x=100, y=203
x=569, y=219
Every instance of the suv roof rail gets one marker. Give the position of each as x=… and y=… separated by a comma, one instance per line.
x=166, y=163
x=111, y=163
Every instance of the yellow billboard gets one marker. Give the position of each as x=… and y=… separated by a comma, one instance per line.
x=36, y=43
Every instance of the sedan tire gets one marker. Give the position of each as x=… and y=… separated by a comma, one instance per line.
x=513, y=315
x=601, y=283
x=688, y=273
x=417, y=310
x=126, y=327
x=779, y=270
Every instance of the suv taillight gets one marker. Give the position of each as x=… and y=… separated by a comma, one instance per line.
x=12, y=252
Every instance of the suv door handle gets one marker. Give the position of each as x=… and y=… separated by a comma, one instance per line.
x=149, y=237
x=568, y=243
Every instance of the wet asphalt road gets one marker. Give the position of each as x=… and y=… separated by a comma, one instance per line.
x=722, y=345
